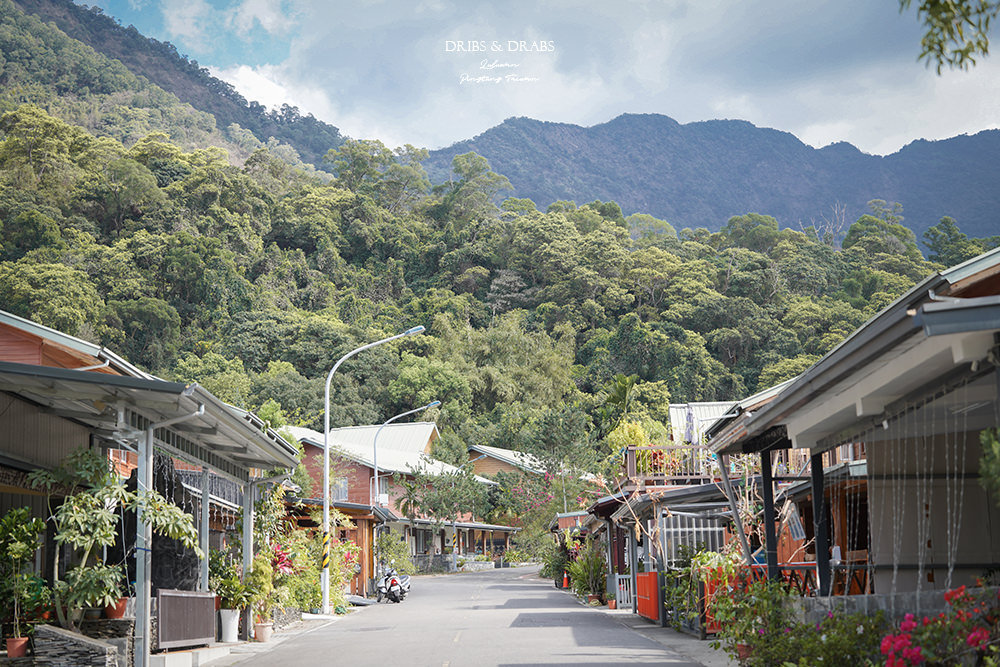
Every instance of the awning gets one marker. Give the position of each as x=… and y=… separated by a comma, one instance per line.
x=119, y=408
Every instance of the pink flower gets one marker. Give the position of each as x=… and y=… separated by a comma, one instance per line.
x=908, y=624
x=978, y=637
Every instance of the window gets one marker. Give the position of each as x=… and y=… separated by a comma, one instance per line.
x=338, y=488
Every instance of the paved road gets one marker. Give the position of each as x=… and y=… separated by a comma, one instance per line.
x=497, y=617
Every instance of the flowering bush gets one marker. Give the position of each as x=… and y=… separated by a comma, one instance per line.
x=966, y=634
x=760, y=618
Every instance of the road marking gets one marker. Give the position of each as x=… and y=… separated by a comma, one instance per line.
x=457, y=635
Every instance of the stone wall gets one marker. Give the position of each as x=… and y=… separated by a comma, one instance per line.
x=55, y=647
x=284, y=618
x=433, y=562
x=926, y=603
x=116, y=631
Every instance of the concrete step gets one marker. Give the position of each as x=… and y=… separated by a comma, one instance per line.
x=193, y=658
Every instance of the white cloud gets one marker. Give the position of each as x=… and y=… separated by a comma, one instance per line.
x=187, y=21
x=268, y=14
x=826, y=73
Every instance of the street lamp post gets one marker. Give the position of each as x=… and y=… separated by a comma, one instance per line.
x=325, y=574
x=373, y=494
x=373, y=497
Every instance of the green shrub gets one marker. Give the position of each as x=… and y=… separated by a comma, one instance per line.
x=588, y=573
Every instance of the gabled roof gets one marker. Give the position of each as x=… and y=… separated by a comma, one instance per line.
x=71, y=344
x=389, y=460
x=524, y=461
x=116, y=399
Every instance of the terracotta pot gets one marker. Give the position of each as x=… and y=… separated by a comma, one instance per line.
x=17, y=647
x=743, y=652
x=262, y=631
x=612, y=604
x=116, y=610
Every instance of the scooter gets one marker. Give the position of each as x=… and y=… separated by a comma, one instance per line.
x=392, y=586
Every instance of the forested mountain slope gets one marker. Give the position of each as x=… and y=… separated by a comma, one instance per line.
x=563, y=331
x=698, y=174
x=160, y=63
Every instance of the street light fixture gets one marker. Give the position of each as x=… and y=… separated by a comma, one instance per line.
x=374, y=497
x=325, y=575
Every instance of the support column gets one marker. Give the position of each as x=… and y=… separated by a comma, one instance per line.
x=633, y=568
x=611, y=582
x=143, y=560
x=770, y=537
x=723, y=461
x=203, y=529
x=248, y=498
x=820, y=526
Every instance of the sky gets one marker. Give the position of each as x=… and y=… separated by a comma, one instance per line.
x=434, y=72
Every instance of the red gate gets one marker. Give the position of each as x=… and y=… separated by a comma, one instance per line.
x=648, y=601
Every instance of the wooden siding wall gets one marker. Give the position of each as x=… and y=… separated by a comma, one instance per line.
x=31, y=436
x=490, y=466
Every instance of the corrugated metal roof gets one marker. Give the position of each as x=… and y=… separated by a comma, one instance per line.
x=689, y=421
x=413, y=437
x=389, y=460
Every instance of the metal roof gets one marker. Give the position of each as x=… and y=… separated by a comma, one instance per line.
x=391, y=460
x=689, y=421
x=72, y=342
x=463, y=525
x=119, y=408
x=413, y=437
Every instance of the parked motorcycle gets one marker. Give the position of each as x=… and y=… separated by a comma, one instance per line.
x=392, y=586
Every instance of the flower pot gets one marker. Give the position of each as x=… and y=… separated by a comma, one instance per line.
x=612, y=604
x=262, y=631
x=92, y=614
x=229, y=622
x=17, y=647
x=116, y=610
x=743, y=652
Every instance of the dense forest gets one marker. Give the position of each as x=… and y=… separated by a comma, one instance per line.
x=129, y=220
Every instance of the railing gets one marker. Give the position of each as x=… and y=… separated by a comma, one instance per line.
x=800, y=577
x=667, y=465
x=623, y=592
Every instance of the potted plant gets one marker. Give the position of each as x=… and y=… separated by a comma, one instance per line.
x=233, y=597
x=261, y=582
x=87, y=520
x=116, y=609
x=588, y=573
x=231, y=593
x=18, y=542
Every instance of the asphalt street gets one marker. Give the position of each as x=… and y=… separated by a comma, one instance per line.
x=497, y=617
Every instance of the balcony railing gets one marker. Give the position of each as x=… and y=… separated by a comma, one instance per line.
x=659, y=466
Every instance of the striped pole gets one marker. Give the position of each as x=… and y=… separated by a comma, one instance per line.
x=326, y=549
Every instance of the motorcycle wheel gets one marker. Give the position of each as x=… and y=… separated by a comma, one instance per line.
x=378, y=596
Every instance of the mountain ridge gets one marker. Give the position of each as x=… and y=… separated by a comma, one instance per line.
x=701, y=173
